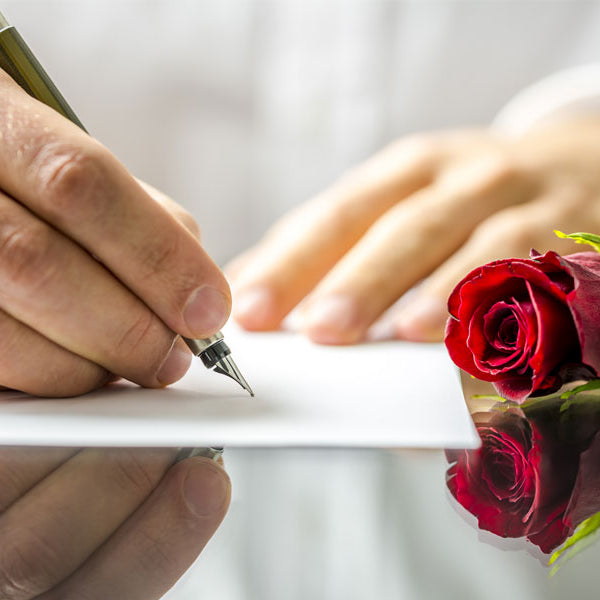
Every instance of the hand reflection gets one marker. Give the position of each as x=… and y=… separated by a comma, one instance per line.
x=103, y=523
x=537, y=473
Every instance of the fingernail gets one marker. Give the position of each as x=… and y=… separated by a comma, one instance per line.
x=206, y=488
x=333, y=320
x=176, y=364
x=206, y=311
x=423, y=320
x=253, y=307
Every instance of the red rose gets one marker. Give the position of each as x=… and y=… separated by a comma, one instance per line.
x=519, y=482
x=518, y=322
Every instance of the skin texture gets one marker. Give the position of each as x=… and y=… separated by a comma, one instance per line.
x=426, y=210
x=98, y=272
x=103, y=523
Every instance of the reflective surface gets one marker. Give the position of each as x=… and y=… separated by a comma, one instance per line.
x=103, y=523
x=353, y=525
x=317, y=524
x=537, y=473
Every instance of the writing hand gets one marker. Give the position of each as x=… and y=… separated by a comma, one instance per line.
x=96, y=276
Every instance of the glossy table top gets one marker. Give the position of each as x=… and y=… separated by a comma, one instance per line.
x=316, y=524
x=351, y=524
x=359, y=525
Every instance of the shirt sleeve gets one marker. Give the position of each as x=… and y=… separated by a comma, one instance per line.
x=566, y=93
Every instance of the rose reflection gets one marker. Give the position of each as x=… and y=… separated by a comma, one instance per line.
x=537, y=473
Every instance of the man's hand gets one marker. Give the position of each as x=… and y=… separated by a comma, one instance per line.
x=427, y=209
x=103, y=523
x=97, y=276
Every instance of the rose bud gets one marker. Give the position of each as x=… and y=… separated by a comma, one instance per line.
x=528, y=325
x=519, y=482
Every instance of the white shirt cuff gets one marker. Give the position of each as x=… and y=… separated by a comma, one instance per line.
x=564, y=94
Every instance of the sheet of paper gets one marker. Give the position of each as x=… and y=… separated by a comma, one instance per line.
x=390, y=394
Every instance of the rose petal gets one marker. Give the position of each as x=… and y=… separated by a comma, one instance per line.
x=517, y=360
x=557, y=341
x=548, y=274
x=554, y=533
x=456, y=343
x=498, y=501
x=515, y=388
x=480, y=298
x=585, y=499
x=503, y=279
x=584, y=303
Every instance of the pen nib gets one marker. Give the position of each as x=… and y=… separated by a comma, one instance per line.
x=226, y=366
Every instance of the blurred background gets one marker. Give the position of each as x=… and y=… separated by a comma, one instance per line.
x=239, y=110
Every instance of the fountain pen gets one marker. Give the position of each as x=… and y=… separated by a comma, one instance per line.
x=20, y=63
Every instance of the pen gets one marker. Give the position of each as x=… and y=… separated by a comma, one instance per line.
x=19, y=62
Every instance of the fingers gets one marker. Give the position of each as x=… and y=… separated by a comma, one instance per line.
x=404, y=246
x=512, y=232
x=57, y=525
x=53, y=286
x=21, y=468
x=175, y=209
x=73, y=183
x=304, y=246
x=147, y=555
x=31, y=363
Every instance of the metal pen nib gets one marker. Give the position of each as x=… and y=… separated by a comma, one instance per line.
x=216, y=355
x=226, y=366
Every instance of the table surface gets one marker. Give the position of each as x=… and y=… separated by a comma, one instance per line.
x=350, y=524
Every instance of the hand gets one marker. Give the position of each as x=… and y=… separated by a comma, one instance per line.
x=97, y=275
x=425, y=211
x=103, y=523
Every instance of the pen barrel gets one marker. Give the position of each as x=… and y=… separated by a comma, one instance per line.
x=18, y=61
x=210, y=350
x=200, y=345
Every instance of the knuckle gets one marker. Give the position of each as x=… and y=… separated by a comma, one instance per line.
x=73, y=181
x=500, y=170
x=417, y=144
x=146, y=332
x=506, y=230
x=79, y=379
x=483, y=175
x=419, y=151
x=421, y=144
x=26, y=255
x=496, y=172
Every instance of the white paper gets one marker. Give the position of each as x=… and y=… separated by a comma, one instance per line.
x=390, y=394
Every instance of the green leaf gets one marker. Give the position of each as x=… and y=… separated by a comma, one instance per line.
x=490, y=396
x=594, y=384
x=568, y=396
x=581, y=238
x=576, y=543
